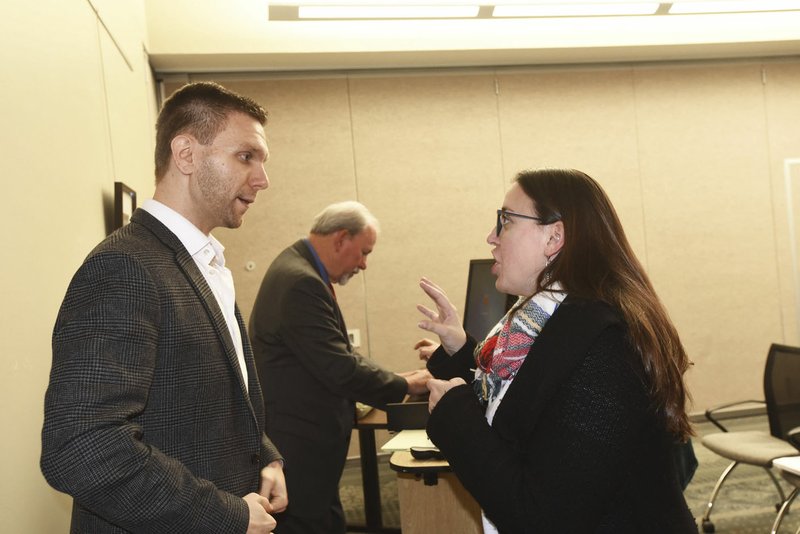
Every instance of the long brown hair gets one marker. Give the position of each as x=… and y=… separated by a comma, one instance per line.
x=597, y=262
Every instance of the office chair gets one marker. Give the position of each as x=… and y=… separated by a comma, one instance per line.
x=753, y=447
x=791, y=477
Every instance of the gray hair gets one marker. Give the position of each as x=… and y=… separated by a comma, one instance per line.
x=348, y=215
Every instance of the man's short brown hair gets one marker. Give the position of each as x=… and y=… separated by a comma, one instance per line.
x=199, y=109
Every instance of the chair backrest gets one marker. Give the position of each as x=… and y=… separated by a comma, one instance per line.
x=782, y=389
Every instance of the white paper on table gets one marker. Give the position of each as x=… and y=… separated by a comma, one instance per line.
x=405, y=439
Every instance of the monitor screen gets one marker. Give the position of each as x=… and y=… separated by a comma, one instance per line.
x=485, y=306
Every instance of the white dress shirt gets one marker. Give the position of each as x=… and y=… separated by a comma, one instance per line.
x=207, y=254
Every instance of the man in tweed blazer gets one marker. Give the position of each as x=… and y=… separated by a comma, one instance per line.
x=154, y=418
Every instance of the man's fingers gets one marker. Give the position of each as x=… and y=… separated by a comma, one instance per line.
x=424, y=342
x=279, y=503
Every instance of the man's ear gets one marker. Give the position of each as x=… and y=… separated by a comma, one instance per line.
x=339, y=238
x=556, y=239
x=183, y=147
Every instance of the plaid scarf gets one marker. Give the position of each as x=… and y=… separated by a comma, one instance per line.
x=503, y=352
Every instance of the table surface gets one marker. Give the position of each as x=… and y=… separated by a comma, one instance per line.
x=374, y=419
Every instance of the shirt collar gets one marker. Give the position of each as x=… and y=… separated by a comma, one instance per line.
x=323, y=272
x=189, y=235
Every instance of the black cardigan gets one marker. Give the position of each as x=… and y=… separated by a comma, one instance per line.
x=575, y=445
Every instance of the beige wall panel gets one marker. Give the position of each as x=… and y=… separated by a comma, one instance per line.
x=310, y=166
x=57, y=167
x=428, y=166
x=129, y=94
x=711, y=252
x=58, y=171
x=125, y=21
x=582, y=119
x=782, y=91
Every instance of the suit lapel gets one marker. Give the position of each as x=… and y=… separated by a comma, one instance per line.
x=255, y=397
x=305, y=253
x=206, y=296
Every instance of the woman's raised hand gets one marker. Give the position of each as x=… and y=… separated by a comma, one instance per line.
x=444, y=322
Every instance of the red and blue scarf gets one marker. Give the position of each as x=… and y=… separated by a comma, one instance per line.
x=503, y=352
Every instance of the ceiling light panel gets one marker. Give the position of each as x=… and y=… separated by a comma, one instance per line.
x=732, y=6
x=387, y=11
x=587, y=9
x=499, y=9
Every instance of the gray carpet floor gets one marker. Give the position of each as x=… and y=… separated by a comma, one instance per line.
x=352, y=494
x=746, y=503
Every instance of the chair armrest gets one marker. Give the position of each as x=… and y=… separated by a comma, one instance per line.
x=793, y=437
x=710, y=413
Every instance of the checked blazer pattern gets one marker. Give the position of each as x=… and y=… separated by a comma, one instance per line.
x=147, y=423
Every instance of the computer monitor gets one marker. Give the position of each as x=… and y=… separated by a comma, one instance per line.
x=485, y=306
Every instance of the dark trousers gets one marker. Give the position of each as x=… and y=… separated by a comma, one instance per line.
x=313, y=471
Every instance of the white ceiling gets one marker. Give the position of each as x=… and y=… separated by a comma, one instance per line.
x=236, y=35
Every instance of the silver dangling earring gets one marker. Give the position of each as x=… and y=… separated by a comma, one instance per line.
x=546, y=270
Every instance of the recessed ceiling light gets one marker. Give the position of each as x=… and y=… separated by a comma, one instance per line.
x=387, y=11
x=732, y=6
x=461, y=9
x=586, y=9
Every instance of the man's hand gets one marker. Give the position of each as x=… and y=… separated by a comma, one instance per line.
x=439, y=387
x=426, y=348
x=260, y=521
x=417, y=381
x=273, y=487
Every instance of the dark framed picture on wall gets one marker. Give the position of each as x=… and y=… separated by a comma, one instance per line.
x=124, y=204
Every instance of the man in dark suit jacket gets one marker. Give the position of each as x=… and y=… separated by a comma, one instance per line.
x=154, y=418
x=311, y=374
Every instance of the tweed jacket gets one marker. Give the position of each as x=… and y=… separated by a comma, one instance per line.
x=574, y=445
x=148, y=425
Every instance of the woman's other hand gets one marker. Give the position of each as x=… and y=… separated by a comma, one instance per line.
x=439, y=387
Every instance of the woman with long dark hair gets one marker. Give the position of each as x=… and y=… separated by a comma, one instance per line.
x=564, y=418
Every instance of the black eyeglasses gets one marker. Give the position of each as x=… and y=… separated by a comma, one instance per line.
x=503, y=217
